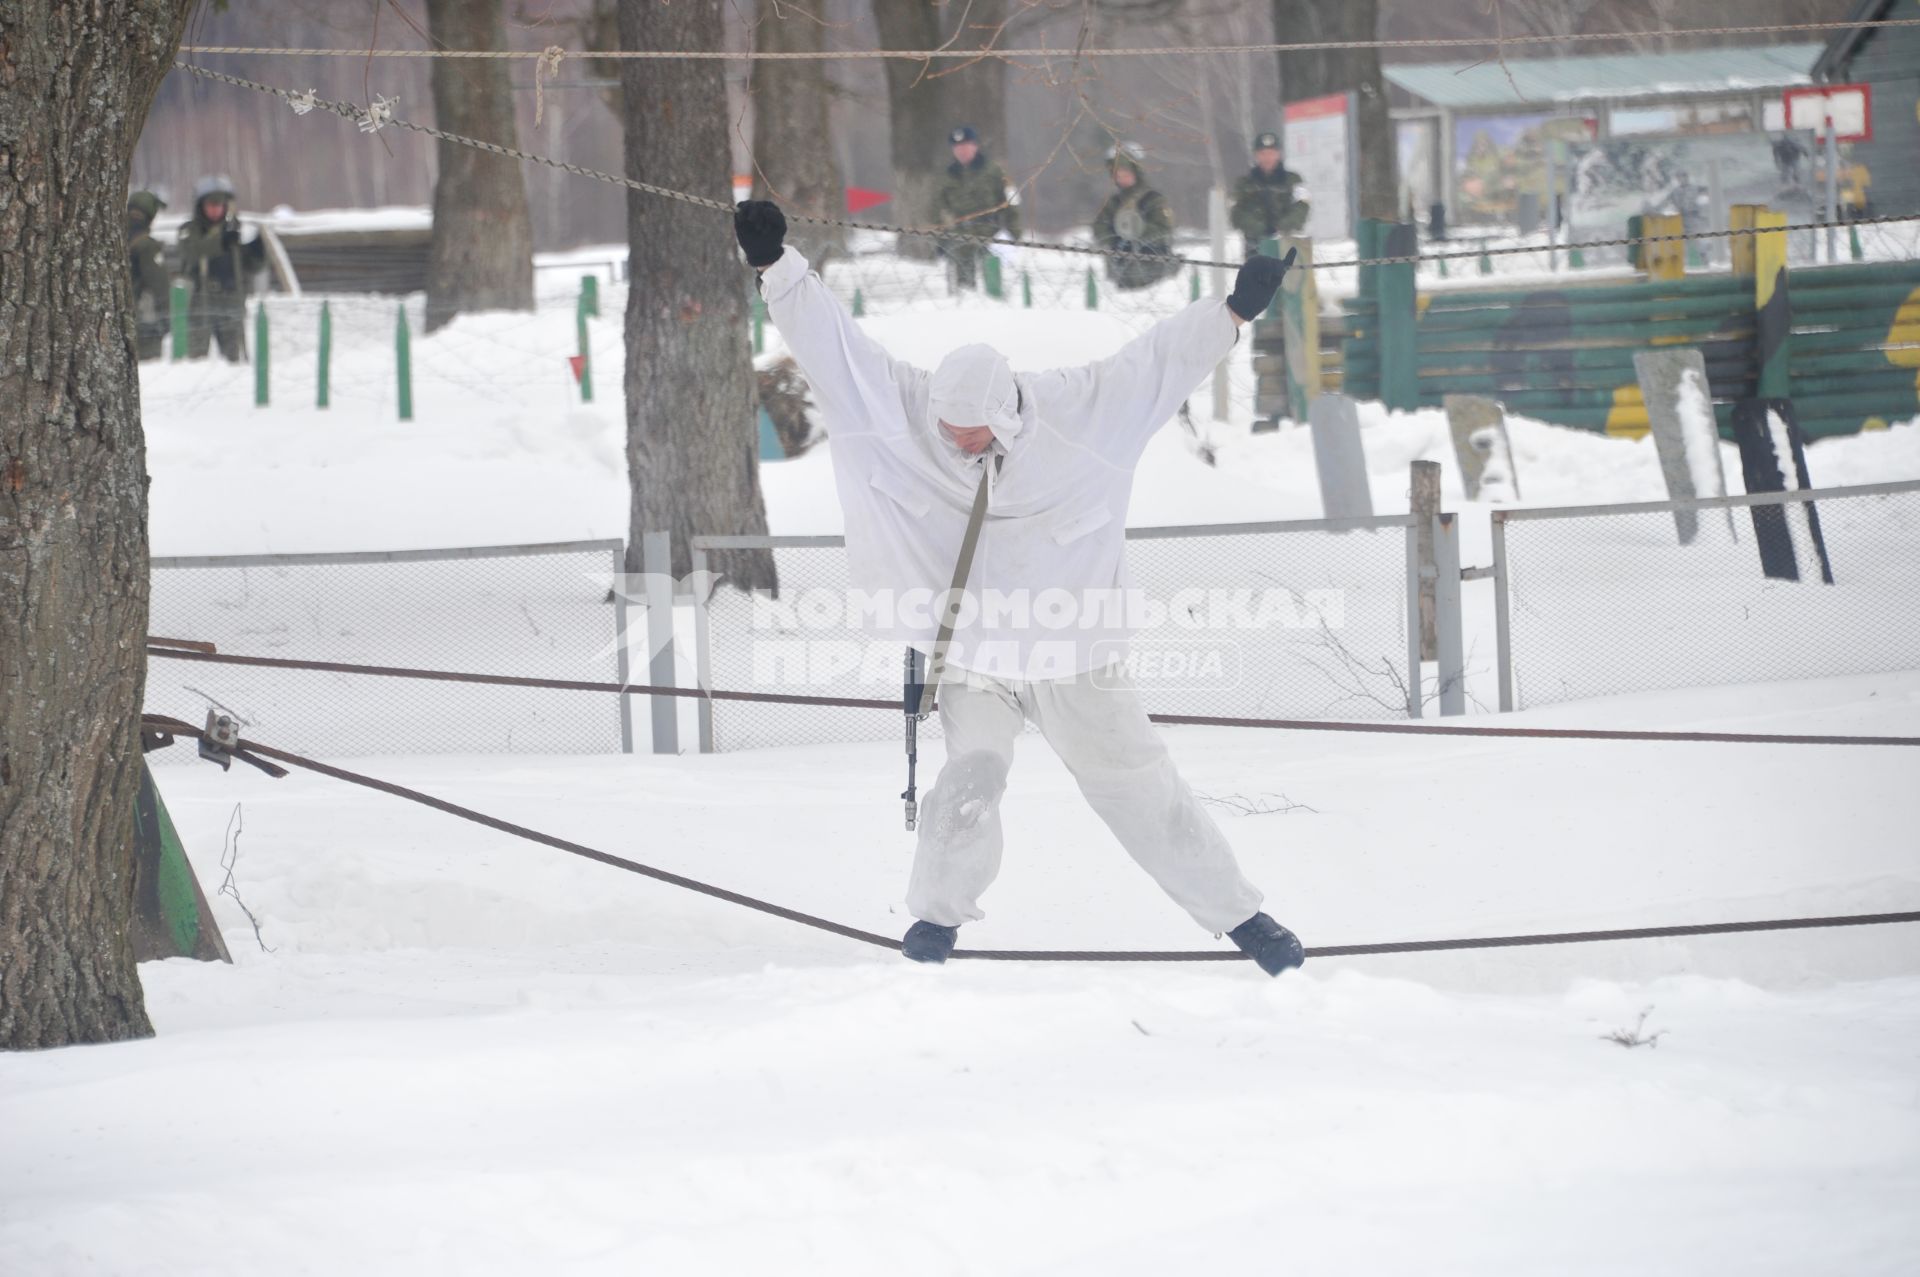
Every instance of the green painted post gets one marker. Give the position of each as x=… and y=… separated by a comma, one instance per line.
x=324, y=395
x=1443, y=268
x=1093, y=291
x=1193, y=285
x=586, y=351
x=990, y=270
x=1026, y=290
x=1576, y=259
x=859, y=304
x=1397, y=288
x=1773, y=307
x=177, y=320
x=260, y=355
x=403, y=363
x=760, y=326
x=590, y=295
x=1853, y=242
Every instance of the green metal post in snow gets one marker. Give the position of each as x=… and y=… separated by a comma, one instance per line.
x=1397, y=288
x=260, y=355
x=403, y=363
x=1093, y=291
x=760, y=326
x=586, y=351
x=590, y=295
x=1026, y=290
x=324, y=393
x=177, y=320
x=990, y=272
x=1193, y=285
x=859, y=304
x=1853, y=242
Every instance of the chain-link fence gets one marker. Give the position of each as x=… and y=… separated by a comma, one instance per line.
x=540, y=611
x=1267, y=620
x=1602, y=601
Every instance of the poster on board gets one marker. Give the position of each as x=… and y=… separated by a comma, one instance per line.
x=1499, y=158
x=1623, y=177
x=1320, y=149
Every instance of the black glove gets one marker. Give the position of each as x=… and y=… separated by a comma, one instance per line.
x=1257, y=282
x=229, y=236
x=760, y=227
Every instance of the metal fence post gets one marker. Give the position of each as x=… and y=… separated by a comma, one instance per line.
x=324, y=391
x=702, y=650
x=622, y=670
x=586, y=349
x=260, y=377
x=177, y=321
x=1502, y=627
x=403, y=363
x=656, y=560
x=1452, y=674
x=1413, y=617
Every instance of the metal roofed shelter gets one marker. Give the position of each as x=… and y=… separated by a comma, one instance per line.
x=1720, y=90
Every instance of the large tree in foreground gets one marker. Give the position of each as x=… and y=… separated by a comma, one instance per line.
x=692, y=441
x=75, y=83
x=482, y=254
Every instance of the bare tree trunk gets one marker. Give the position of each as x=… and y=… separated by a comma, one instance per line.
x=793, y=154
x=75, y=84
x=1322, y=72
x=692, y=437
x=482, y=255
x=916, y=114
x=975, y=92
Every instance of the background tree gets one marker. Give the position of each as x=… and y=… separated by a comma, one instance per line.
x=1325, y=71
x=793, y=152
x=482, y=254
x=692, y=438
x=75, y=84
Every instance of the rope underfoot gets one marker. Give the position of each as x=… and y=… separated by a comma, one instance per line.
x=162, y=723
x=380, y=116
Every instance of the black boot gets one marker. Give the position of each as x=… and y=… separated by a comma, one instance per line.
x=1271, y=945
x=929, y=942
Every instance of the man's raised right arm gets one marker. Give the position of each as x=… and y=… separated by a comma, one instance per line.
x=856, y=383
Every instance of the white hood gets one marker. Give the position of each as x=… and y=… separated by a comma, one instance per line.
x=973, y=386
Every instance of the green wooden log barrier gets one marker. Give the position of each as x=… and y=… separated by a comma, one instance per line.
x=323, y=370
x=403, y=363
x=585, y=349
x=1864, y=363
x=177, y=321
x=261, y=383
x=1893, y=386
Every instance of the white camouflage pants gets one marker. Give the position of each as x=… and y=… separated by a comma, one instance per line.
x=1099, y=728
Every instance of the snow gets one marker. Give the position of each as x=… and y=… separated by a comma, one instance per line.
x=1699, y=436
x=466, y=1053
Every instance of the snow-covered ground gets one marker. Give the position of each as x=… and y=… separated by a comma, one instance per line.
x=465, y=1053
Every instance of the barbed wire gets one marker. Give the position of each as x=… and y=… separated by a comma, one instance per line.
x=1496, y=41
x=372, y=121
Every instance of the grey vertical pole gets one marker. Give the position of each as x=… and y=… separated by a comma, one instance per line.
x=1413, y=617
x=1553, y=207
x=1452, y=671
x=1217, y=232
x=1717, y=198
x=702, y=652
x=621, y=670
x=1833, y=188
x=656, y=560
x=1502, y=628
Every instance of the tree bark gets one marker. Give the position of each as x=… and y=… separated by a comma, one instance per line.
x=692, y=433
x=793, y=158
x=482, y=254
x=1322, y=72
x=975, y=92
x=916, y=115
x=75, y=84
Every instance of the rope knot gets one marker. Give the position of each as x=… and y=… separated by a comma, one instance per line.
x=304, y=102
x=545, y=68
x=380, y=114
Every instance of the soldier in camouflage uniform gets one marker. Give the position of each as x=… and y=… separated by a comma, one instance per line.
x=215, y=265
x=976, y=199
x=1265, y=203
x=151, y=282
x=1135, y=219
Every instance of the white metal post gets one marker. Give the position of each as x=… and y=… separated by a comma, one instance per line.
x=656, y=558
x=1502, y=626
x=1217, y=232
x=1833, y=187
x=1446, y=559
x=1413, y=617
x=621, y=670
x=702, y=652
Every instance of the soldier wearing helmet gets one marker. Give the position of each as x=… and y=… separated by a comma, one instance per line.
x=1135, y=219
x=215, y=265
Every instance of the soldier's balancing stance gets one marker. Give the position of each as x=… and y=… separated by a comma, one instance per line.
x=977, y=201
x=215, y=264
x=911, y=449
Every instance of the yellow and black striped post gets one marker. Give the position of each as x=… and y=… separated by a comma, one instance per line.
x=1773, y=310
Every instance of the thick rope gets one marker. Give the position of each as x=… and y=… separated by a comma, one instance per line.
x=1496, y=41
x=381, y=116
x=162, y=723
x=1174, y=720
